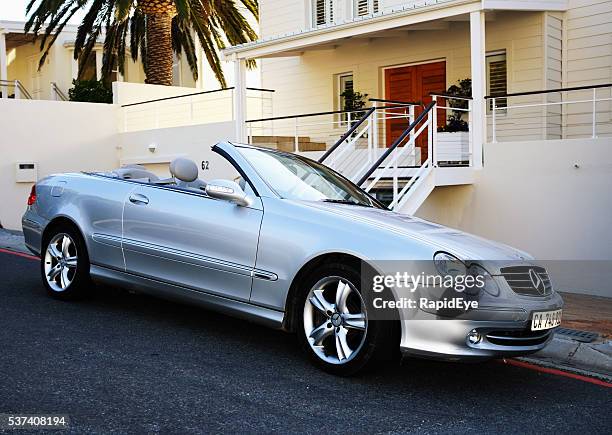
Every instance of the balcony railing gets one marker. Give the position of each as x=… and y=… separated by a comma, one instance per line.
x=566, y=113
x=192, y=109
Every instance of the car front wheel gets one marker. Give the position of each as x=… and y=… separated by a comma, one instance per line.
x=333, y=323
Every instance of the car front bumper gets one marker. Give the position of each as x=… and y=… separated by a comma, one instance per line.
x=448, y=339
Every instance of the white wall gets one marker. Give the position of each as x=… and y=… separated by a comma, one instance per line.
x=530, y=195
x=69, y=137
x=193, y=142
x=128, y=93
x=59, y=137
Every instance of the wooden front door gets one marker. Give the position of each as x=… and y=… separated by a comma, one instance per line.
x=414, y=84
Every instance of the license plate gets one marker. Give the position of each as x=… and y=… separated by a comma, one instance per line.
x=546, y=320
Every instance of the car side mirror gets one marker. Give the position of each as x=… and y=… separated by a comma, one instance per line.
x=228, y=191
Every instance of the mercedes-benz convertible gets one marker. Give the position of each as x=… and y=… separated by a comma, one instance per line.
x=288, y=242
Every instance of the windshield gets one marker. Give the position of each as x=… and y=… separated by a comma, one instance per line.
x=295, y=177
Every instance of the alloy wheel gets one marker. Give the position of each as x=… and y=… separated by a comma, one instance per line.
x=60, y=262
x=335, y=320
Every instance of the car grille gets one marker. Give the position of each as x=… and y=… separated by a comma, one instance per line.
x=518, y=338
x=527, y=280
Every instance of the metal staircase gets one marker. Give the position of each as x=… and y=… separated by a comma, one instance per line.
x=395, y=175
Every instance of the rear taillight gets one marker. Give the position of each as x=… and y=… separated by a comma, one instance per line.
x=32, y=197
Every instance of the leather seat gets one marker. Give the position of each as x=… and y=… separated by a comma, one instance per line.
x=185, y=171
x=135, y=172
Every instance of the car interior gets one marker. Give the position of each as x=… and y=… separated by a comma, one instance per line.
x=183, y=171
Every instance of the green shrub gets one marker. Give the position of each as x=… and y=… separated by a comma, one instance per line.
x=455, y=121
x=90, y=91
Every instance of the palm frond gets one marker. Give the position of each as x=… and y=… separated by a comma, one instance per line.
x=210, y=23
x=183, y=44
x=87, y=25
x=252, y=6
x=122, y=10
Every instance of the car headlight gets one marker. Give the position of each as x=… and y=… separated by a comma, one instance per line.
x=449, y=265
x=469, y=280
x=484, y=280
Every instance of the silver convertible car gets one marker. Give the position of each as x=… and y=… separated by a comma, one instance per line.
x=291, y=244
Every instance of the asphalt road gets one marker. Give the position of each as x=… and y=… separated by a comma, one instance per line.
x=132, y=364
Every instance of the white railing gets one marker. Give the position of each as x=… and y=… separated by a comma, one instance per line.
x=569, y=113
x=303, y=133
x=353, y=139
x=360, y=147
x=19, y=91
x=193, y=109
x=388, y=168
x=453, y=144
x=57, y=94
x=388, y=148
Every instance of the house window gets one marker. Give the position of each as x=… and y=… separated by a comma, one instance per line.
x=322, y=12
x=345, y=83
x=365, y=7
x=497, y=79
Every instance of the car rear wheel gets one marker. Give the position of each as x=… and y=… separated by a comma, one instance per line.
x=333, y=323
x=65, y=264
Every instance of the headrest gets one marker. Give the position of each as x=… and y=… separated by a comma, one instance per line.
x=184, y=169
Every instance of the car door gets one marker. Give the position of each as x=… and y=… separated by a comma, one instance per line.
x=192, y=240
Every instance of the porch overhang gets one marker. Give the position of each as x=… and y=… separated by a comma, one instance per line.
x=295, y=44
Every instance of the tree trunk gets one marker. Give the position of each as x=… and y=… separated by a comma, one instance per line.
x=158, y=68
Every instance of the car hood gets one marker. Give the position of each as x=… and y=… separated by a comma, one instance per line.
x=464, y=245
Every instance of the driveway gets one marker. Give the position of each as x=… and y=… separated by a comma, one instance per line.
x=130, y=363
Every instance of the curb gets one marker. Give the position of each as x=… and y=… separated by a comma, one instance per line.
x=13, y=240
x=590, y=359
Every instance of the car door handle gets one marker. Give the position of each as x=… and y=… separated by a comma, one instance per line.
x=137, y=198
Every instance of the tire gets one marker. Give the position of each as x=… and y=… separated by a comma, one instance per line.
x=64, y=264
x=332, y=323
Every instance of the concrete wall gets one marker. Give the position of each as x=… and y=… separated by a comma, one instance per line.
x=128, y=93
x=194, y=142
x=532, y=196
x=59, y=137
x=67, y=137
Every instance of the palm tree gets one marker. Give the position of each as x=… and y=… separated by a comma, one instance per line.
x=155, y=29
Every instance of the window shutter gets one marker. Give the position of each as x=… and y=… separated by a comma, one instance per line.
x=498, y=80
x=323, y=12
x=365, y=7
